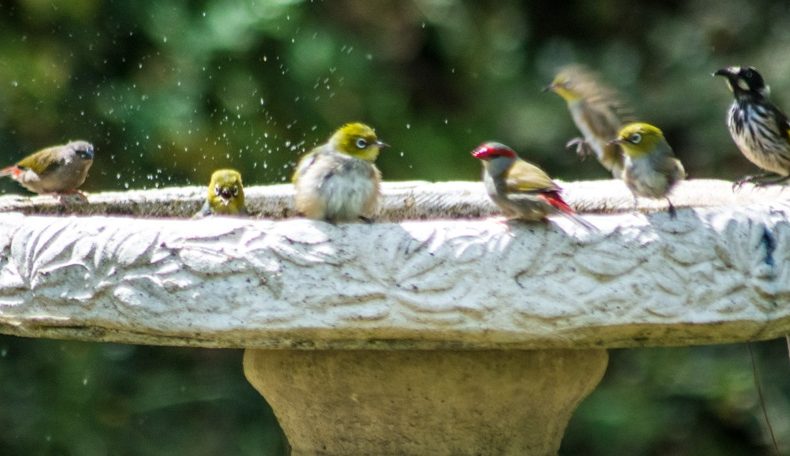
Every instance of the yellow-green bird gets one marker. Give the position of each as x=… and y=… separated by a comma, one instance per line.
x=598, y=113
x=225, y=194
x=650, y=168
x=338, y=181
x=57, y=169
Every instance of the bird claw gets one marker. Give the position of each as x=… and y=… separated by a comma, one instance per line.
x=74, y=194
x=759, y=180
x=673, y=214
x=582, y=148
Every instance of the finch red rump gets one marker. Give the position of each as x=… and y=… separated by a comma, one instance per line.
x=554, y=198
x=13, y=171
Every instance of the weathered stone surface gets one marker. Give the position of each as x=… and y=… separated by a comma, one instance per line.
x=715, y=274
x=500, y=402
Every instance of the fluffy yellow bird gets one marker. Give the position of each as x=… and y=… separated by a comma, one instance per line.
x=651, y=169
x=225, y=194
x=338, y=181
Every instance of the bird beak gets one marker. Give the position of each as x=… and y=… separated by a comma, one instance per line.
x=225, y=196
x=382, y=145
x=615, y=141
x=548, y=88
x=726, y=72
x=480, y=153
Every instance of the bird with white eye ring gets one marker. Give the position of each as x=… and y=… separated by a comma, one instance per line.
x=338, y=181
x=650, y=168
x=598, y=112
x=225, y=194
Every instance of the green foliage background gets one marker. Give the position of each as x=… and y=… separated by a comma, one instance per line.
x=169, y=90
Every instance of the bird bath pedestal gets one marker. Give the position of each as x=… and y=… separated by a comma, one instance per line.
x=436, y=330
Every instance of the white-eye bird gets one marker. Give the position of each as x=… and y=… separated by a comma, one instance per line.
x=651, y=169
x=338, y=181
x=759, y=128
x=58, y=169
x=225, y=194
x=519, y=188
x=598, y=112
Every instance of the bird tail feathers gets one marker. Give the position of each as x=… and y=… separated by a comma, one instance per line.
x=12, y=171
x=557, y=202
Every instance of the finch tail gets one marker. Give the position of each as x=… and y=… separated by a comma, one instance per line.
x=556, y=201
x=12, y=171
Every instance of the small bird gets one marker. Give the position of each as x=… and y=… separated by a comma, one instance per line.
x=58, y=169
x=337, y=181
x=760, y=129
x=598, y=113
x=225, y=194
x=651, y=169
x=519, y=188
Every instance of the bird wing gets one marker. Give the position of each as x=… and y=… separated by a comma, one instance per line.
x=41, y=162
x=602, y=120
x=204, y=211
x=526, y=177
x=784, y=124
x=305, y=162
x=668, y=165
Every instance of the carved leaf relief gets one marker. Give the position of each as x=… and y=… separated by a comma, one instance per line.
x=475, y=276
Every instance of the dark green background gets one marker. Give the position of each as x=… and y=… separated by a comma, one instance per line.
x=169, y=90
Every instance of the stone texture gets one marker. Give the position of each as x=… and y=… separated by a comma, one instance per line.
x=504, y=402
x=716, y=274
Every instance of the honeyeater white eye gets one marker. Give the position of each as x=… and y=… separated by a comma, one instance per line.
x=635, y=138
x=362, y=143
